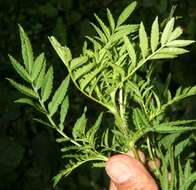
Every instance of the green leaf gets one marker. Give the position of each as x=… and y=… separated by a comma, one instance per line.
x=173, y=51
x=102, y=36
x=180, y=43
x=168, y=140
x=167, y=31
x=89, y=77
x=111, y=20
x=58, y=97
x=103, y=26
x=63, y=52
x=97, y=46
x=181, y=146
x=99, y=165
x=83, y=70
x=25, y=101
x=43, y=122
x=180, y=171
x=37, y=66
x=31, y=103
x=165, y=128
x=164, y=173
x=38, y=82
x=188, y=182
x=23, y=89
x=118, y=69
x=122, y=31
x=90, y=135
x=63, y=112
x=19, y=69
x=187, y=169
x=57, y=178
x=131, y=51
x=126, y=13
x=78, y=130
x=158, y=103
x=141, y=118
x=47, y=85
x=154, y=39
x=105, y=138
x=78, y=62
x=175, y=34
x=27, y=52
x=143, y=41
x=181, y=122
x=163, y=56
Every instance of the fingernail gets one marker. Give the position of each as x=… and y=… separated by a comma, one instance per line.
x=118, y=171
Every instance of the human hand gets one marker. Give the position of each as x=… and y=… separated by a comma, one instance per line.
x=127, y=173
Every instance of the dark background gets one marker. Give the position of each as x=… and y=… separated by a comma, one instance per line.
x=29, y=155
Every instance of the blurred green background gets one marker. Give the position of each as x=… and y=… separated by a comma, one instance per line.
x=29, y=155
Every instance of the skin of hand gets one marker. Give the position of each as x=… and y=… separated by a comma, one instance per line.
x=127, y=173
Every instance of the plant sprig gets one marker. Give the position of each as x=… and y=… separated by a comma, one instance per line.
x=108, y=72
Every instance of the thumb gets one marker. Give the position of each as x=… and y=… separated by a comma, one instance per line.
x=127, y=173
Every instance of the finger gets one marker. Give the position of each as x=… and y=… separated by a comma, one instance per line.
x=129, y=174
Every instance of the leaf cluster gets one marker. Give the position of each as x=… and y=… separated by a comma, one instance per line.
x=115, y=69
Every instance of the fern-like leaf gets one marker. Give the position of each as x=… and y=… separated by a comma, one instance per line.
x=131, y=51
x=27, y=52
x=63, y=112
x=126, y=13
x=19, y=69
x=40, y=78
x=167, y=31
x=47, y=85
x=154, y=35
x=111, y=20
x=37, y=66
x=58, y=96
x=78, y=130
x=23, y=89
x=143, y=41
x=63, y=52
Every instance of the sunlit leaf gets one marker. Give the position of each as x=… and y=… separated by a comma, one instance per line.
x=23, y=89
x=63, y=112
x=180, y=43
x=175, y=34
x=103, y=26
x=37, y=66
x=19, y=69
x=143, y=41
x=47, y=85
x=173, y=51
x=111, y=20
x=167, y=31
x=131, y=51
x=126, y=13
x=27, y=52
x=58, y=96
x=78, y=130
x=154, y=39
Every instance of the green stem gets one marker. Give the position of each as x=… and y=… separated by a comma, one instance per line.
x=134, y=150
x=122, y=110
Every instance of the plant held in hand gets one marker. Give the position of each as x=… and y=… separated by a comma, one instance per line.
x=116, y=70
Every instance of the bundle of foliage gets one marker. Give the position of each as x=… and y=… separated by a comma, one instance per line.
x=116, y=70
